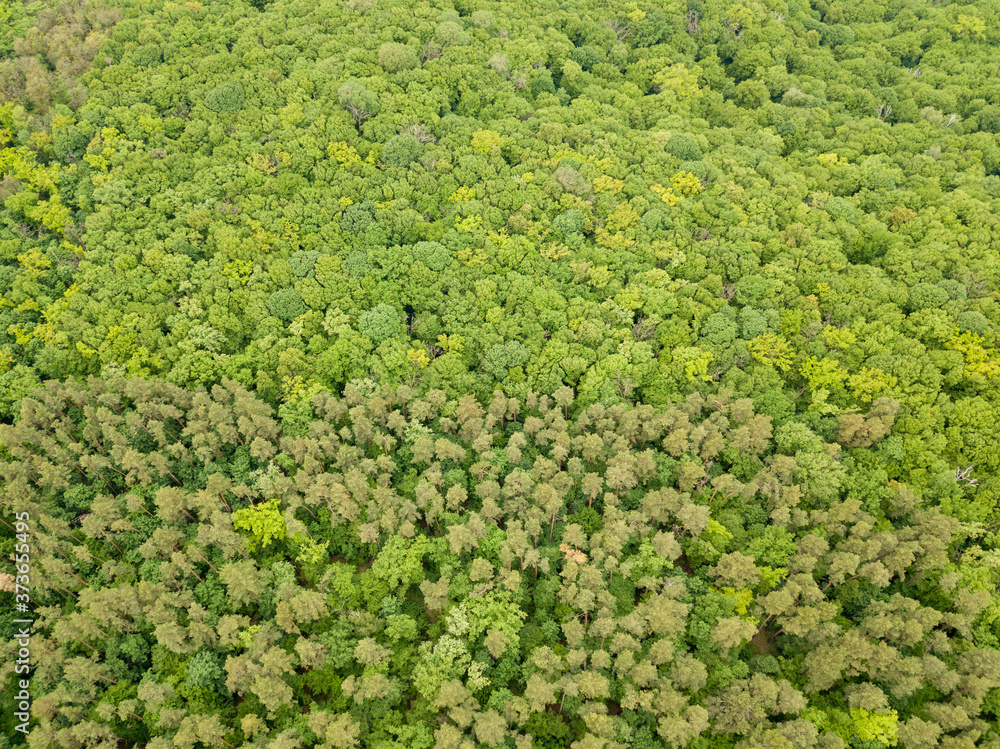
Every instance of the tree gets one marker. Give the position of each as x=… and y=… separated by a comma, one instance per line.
x=264, y=523
x=736, y=570
x=244, y=581
x=395, y=57
x=286, y=304
x=402, y=150
x=379, y=323
x=227, y=98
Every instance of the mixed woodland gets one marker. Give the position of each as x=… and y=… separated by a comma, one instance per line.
x=446, y=374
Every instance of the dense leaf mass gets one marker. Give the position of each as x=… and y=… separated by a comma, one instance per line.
x=515, y=571
x=557, y=374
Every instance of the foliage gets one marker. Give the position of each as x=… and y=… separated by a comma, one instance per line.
x=751, y=598
x=263, y=522
x=614, y=374
x=402, y=150
x=286, y=304
x=380, y=322
x=226, y=99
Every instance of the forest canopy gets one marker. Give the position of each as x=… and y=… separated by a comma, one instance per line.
x=555, y=374
x=405, y=570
